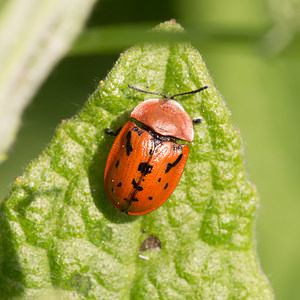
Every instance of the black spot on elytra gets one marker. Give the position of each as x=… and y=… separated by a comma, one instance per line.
x=112, y=190
x=117, y=163
x=166, y=186
x=140, y=132
x=150, y=243
x=134, y=183
x=129, y=148
x=159, y=179
x=150, y=198
x=135, y=199
x=171, y=165
x=145, y=168
x=136, y=186
x=119, y=184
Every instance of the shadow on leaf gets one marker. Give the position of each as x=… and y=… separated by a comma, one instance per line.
x=11, y=275
x=96, y=176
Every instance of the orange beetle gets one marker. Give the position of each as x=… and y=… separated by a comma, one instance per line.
x=145, y=163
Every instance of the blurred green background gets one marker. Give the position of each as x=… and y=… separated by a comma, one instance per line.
x=253, y=53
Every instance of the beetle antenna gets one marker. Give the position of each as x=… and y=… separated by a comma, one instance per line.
x=143, y=91
x=191, y=92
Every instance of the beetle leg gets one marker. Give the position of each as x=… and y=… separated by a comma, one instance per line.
x=111, y=132
x=197, y=121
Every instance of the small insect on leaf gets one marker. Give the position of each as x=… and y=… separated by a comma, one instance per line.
x=150, y=154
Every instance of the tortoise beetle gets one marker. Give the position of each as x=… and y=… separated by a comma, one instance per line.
x=145, y=162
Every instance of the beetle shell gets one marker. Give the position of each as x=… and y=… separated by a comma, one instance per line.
x=142, y=170
x=166, y=117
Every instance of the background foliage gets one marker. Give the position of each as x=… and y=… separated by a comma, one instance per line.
x=252, y=51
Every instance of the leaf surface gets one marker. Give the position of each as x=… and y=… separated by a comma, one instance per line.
x=60, y=233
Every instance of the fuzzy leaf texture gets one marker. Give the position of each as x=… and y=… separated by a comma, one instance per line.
x=61, y=236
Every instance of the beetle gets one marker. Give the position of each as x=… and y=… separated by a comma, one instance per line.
x=145, y=162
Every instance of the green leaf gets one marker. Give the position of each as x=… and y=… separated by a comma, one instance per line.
x=61, y=234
